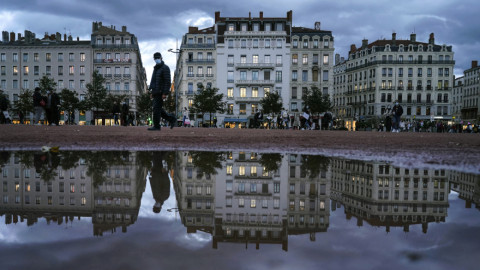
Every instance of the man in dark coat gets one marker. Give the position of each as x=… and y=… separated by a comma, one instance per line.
x=397, y=111
x=160, y=88
x=53, y=103
x=159, y=181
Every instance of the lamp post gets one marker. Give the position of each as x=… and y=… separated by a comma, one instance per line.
x=178, y=52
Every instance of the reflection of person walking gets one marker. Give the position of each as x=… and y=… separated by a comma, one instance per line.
x=160, y=87
x=159, y=181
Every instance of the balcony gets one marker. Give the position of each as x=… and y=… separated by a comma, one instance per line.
x=113, y=61
x=443, y=88
x=200, y=61
x=254, y=33
x=198, y=46
x=397, y=62
x=255, y=66
x=419, y=87
x=255, y=82
x=247, y=99
x=113, y=46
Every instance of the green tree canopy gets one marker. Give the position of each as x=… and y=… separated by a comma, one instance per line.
x=70, y=102
x=208, y=101
x=96, y=93
x=144, y=106
x=271, y=161
x=271, y=103
x=316, y=101
x=24, y=103
x=207, y=162
x=46, y=83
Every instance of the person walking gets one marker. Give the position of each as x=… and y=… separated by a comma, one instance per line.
x=38, y=106
x=159, y=181
x=124, y=115
x=116, y=112
x=160, y=87
x=4, y=104
x=397, y=112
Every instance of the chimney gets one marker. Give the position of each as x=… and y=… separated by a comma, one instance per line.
x=78, y=38
x=19, y=37
x=317, y=26
x=337, y=58
x=249, y=14
x=70, y=38
x=353, y=48
x=58, y=37
x=261, y=15
x=413, y=37
x=394, y=36
x=217, y=16
x=64, y=37
x=124, y=29
x=432, y=39
x=12, y=36
x=5, y=36
x=474, y=64
x=192, y=29
x=364, y=43
x=289, y=16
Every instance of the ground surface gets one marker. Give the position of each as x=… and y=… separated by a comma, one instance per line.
x=444, y=150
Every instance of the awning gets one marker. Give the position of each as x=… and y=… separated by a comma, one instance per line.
x=235, y=120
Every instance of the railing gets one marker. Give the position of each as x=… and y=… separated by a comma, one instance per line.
x=247, y=99
x=200, y=61
x=255, y=65
x=197, y=46
x=404, y=62
x=122, y=46
x=255, y=82
x=443, y=88
x=112, y=61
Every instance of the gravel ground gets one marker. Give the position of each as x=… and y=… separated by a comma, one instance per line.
x=439, y=150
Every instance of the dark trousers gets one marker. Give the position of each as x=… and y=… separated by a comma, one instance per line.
x=158, y=111
x=52, y=116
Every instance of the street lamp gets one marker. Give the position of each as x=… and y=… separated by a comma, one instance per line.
x=178, y=52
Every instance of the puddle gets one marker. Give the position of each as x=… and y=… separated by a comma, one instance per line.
x=237, y=210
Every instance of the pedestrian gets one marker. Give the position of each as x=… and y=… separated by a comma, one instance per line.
x=215, y=121
x=160, y=87
x=116, y=112
x=159, y=181
x=124, y=115
x=397, y=112
x=4, y=104
x=53, y=100
x=39, y=104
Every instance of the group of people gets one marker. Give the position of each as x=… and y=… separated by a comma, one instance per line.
x=48, y=105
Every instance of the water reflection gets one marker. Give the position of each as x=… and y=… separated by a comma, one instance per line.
x=236, y=197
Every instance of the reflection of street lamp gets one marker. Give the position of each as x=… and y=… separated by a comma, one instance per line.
x=177, y=51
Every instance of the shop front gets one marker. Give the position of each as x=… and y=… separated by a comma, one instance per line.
x=235, y=123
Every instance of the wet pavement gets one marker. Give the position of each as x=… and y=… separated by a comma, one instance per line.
x=233, y=209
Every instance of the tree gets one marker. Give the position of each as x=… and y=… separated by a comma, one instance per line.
x=24, y=104
x=312, y=165
x=70, y=102
x=170, y=104
x=96, y=93
x=208, y=101
x=316, y=101
x=111, y=99
x=271, y=103
x=144, y=106
x=46, y=83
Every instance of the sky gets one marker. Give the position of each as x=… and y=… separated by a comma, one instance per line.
x=159, y=25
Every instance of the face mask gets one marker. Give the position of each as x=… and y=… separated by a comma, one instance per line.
x=158, y=61
x=48, y=92
x=396, y=103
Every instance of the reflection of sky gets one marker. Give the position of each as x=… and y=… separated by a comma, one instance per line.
x=161, y=242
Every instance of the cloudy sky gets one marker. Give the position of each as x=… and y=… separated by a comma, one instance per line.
x=159, y=24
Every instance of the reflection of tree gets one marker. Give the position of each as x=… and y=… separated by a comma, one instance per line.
x=313, y=164
x=207, y=162
x=270, y=161
x=98, y=163
x=46, y=165
x=4, y=157
x=25, y=158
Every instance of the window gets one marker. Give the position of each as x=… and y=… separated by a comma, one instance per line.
x=294, y=75
x=304, y=75
x=267, y=43
x=255, y=59
x=243, y=75
x=229, y=92
x=279, y=43
x=278, y=76
x=325, y=75
x=295, y=43
x=82, y=57
x=294, y=59
x=253, y=203
x=325, y=59
x=243, y=108
x=255, y=75
x=305, y=59
x=15, y=57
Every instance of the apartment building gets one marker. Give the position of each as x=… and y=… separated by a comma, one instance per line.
x=471, y=94
x=24, y=60
x=249, y=57
x=312, y=52
x=116, y=56
x=417, y=74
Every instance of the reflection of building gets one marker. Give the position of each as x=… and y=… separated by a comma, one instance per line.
x=383, y=195
x=195, y=195
x=308, y=199
x=468, y=187
x=71, y=193
x=248, y=202
x=117, y=199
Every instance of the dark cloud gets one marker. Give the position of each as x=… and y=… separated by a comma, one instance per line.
x=350, y=21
